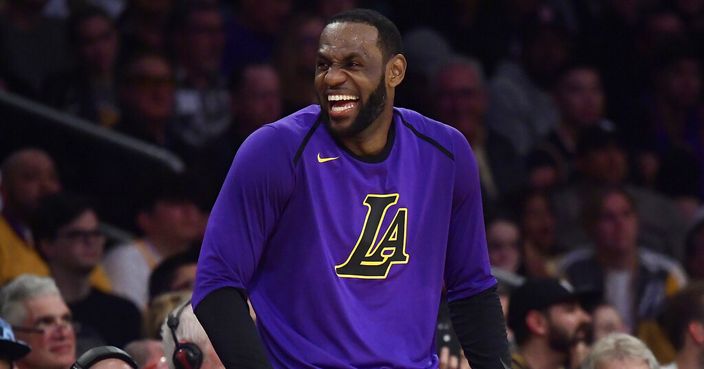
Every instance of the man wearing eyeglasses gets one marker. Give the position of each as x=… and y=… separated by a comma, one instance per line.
x=34, y=307
x=67, y=234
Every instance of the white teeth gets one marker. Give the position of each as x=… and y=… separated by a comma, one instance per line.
x=341, y=97
x=343, y=107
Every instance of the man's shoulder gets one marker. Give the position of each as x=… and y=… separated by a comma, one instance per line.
x=441, y=135
x=297, y=124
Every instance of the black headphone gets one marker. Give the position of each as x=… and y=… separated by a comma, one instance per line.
x=186, y=355
x=100, y=353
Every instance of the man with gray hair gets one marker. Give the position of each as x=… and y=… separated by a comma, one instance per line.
x=460, y=99
x=40, y=317
x=186, y=345
x=620, y=351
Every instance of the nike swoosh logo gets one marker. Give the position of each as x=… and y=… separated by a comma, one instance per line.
x=324, y=160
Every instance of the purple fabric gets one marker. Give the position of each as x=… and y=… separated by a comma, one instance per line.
x=279, y=228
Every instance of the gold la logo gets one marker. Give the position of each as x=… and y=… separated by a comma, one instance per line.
x=370, y=259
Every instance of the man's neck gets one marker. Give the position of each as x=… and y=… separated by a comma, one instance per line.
x=372, y=140
x=73, y=286
x=619, y=261
x=690, y=358
x=539, y=355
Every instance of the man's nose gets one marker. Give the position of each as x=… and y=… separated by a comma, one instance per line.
x=334, y=76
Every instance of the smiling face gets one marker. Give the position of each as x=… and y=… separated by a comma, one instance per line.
x=54, y=348
x=351, y=78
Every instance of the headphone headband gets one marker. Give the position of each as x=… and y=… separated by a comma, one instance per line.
x=100, y=353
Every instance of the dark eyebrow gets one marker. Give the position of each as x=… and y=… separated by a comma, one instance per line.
x=346, y=58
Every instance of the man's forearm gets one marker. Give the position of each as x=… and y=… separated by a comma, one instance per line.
x=481, y=329
x=224, y=315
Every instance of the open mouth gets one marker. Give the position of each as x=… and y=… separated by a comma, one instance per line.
x=340, y=105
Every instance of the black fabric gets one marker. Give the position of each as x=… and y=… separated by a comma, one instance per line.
x=224, y=315
x=480, y=327
x=117, y=320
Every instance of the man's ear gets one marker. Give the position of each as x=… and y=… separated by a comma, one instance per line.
x=696, y=331
x=396, y=70
x=536, y=323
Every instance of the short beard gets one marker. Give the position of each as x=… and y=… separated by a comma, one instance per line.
x=562, y=341
x=367, y=114
x=559, y=340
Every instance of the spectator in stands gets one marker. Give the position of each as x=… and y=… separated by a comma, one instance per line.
x=175, y=273
x=10, y=348
x=148, y=353
x=40, y=317
x=256, y=98
x=634, y=279
x=602, y=161
x=539, y=248
x=69, y=237
x=89, y=90
x=620, y=351
x=160, y=308
x=581, y=103
x=31, y=46
x=503, y=240
x=543, y=172
x=606, y=320
x=202, y=99
x=170, y=222
x=683, y=320
x=28, y=175
x=521, y=108
x=252, y=33
x=675, y=119
x=550, y=328
x=144, y=26
x=181, y=331
x=147, y=99
x=295, y=60
x=461, y=99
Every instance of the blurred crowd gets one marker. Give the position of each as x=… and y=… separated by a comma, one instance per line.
x=586, y=119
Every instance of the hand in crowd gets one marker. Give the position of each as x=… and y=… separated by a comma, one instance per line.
x=448, y=361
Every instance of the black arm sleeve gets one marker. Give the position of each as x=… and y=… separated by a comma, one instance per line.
x=224, y=315
x=480, y=327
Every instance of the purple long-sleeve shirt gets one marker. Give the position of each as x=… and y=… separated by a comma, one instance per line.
x=344, y=258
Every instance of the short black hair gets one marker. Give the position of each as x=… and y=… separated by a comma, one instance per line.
x=168, y=187
x=56, y=211
x=389, y=38
x=682, y=308
x=162, y=277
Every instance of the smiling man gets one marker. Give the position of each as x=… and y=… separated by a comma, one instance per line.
x=342, y=223
x=39, y=317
